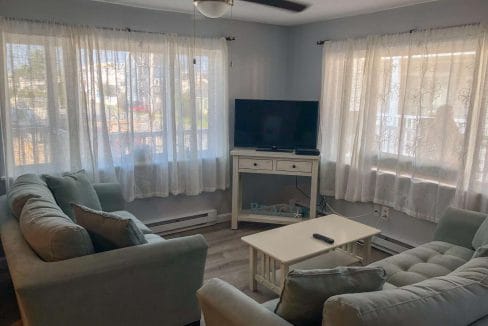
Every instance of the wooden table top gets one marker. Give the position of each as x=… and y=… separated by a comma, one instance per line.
x=293, y=243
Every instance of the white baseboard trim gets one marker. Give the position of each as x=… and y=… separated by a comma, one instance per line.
x=226, y=217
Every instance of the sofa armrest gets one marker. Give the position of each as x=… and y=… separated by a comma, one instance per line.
x=110, y=195
x=151, y=284
x=458, y=226
x=223, y=304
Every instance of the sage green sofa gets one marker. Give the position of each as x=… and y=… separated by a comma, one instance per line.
x=150, y=284
x=437, y=283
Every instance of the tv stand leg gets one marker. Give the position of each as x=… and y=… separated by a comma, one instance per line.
x=236, y=193
x=313, y=190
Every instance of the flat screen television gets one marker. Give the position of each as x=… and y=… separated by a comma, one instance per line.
x=275, y=125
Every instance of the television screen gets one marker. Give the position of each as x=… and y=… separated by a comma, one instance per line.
x=281, y=124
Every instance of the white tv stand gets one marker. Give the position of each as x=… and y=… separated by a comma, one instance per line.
x=252, y=161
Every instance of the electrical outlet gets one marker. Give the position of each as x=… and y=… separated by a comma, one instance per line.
x=385, y=213
x=376, y=212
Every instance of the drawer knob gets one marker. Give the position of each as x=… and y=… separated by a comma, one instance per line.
x=255, y=164
x=293, y=166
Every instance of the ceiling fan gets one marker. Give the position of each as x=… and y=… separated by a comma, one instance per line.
x=217, y=8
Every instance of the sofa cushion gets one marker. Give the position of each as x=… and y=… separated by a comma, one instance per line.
x=50, y=233
x=140, y=225
x=429, y=260
x=459, y=298
x=481, y=236
x=73, y=188
x=305, y=291
x=110, y=196
x=389, y=286
x=480, y=322
x=271, y=304
x=152, y=238
x=27, y=186
x=458, y=226
x=108, y=230
x=481, y=252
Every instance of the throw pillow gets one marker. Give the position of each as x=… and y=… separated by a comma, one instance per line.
x=141, y=226
x=481, y=236
x=27, y=186
x=108, y=230
x=305, y=291
x=73, y=188
x=50, y=233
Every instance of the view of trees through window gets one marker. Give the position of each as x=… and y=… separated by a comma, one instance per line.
x=30, y=96
x=133, y=94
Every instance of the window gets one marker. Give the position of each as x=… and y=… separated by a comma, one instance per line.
x=404, y=120
x=419, y=123
x=30, y=95
x=149, y=110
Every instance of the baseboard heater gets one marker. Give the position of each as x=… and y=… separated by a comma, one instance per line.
x=183, y=222
x=389, y=245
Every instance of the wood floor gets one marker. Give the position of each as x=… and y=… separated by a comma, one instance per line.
x=228, y=256
x=227, y=259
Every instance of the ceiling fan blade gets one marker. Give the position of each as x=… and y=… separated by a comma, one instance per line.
x=282, y=4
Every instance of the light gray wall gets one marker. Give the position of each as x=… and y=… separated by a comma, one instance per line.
x=259, y=55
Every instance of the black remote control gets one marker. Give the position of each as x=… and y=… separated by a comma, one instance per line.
x=323, y=238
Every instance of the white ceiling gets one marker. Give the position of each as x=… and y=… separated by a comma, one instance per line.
x=317, y=11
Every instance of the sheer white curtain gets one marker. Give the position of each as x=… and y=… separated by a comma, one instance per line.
x=403, y=120
x=148, y=110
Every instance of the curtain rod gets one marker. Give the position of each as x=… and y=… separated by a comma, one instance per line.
x=116, y=29
x=321, y=42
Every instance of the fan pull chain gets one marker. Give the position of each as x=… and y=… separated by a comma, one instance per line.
x=230, y=45
x=194, y=34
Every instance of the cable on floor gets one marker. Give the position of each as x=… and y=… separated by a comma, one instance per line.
x=299, y=189
x=349, y=217
x=323, y=204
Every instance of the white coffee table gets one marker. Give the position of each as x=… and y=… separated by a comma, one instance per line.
x=288, y=245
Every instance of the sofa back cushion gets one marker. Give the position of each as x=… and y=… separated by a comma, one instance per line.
x=481, y=251
x=481, y=236
x=305, y=291
x=52, y=234
x=27, y=186
x=459, y=298
x=108, y=230
x=458, y=226
x=73, y=188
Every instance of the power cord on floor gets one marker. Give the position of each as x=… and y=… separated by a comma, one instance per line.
x=324, y=204
x=299, y=189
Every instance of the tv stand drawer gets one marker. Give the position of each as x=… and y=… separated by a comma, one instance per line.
x=255, y=164
x=294, y=166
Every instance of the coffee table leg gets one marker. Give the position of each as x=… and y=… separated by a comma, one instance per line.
x=253, y=263
x=367, y=257
x=283, y=272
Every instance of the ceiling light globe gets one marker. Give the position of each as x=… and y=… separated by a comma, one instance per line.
x=213, y=8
